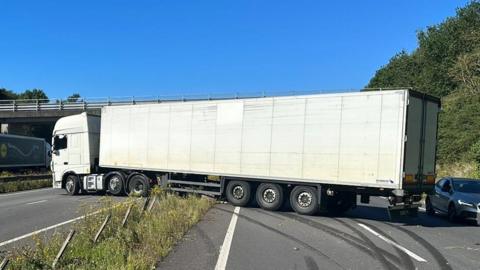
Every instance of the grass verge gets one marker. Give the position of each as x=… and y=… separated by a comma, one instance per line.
x=24, y=185
x=146, y=238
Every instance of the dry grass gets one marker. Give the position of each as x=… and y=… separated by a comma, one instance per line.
x=465, y=169
x=146, y=238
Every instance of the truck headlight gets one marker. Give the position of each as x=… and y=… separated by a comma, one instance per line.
x=465, y=203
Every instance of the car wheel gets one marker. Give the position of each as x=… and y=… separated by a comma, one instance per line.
x=452, y=212
x=72, y=185
x=429, y=207
x=304, y=200
x=238, y=193
x=269, y=196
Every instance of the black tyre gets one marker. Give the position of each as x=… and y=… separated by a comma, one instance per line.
x=429, y=207
x=138, y=185
x=270, y=196
x=116, y=184
x=304, y=200
x=72, y=185
x=452, y=212
x=238, y=192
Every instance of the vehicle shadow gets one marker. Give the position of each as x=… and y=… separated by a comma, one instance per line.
x=377, y=213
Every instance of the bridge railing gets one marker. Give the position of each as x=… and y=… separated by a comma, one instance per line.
x=98, y=103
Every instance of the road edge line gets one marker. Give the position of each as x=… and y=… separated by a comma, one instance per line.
x=408, y=252
x=227, y=242
x=4, y=243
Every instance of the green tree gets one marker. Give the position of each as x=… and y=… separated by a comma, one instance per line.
x=399, y=72
x=74, y=97
x=6, y=94
x=446, y=63
x=33, y=94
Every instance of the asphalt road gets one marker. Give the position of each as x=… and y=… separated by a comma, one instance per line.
x=22, y=213
x=363, y=238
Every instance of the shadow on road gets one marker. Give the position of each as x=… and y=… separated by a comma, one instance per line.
x=381, y=214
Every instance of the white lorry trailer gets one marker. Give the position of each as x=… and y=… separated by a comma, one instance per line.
x=314, y=151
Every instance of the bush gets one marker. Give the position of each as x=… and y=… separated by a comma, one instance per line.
x=24, y=185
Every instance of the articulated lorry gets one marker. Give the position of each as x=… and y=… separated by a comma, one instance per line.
x=314, y=152
x=22, y=152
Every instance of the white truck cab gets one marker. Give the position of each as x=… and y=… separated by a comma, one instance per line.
x=75, y=146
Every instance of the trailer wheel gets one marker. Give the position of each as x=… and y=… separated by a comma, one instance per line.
x=72, y=185
x=304, y=200
x=238, y=193
x=270, y=196
x=115, y=184
x=138, y=185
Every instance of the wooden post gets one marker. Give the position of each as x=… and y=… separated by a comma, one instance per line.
x=145, y=204
x=4, y=263
x=151, y=204
x=62, y=249
x=124, y=221
x=101, y=228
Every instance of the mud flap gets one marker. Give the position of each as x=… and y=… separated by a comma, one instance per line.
x=403, y=210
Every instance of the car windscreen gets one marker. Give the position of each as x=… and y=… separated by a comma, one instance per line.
x=467, y=186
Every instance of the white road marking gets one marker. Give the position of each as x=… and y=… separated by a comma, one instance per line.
x=227, y=242
x=36, y=202
x=54, y=226
x=409, y=253
x=46, y=229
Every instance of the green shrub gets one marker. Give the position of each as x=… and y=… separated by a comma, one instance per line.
x=24, y=185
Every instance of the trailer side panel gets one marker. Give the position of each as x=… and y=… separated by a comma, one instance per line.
x=347, y=139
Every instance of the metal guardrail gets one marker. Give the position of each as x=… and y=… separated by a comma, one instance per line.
x=25, y=177
x=98, y=103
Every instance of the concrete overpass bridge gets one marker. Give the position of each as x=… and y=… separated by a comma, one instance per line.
x=37, y=117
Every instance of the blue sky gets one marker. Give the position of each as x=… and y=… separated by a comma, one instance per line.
x=143, y=48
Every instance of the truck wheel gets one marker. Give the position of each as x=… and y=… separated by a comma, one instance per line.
x=304, y=200
x=138, y=185
x=269, y=196
x=115, y=184
x=238, y=192
x=429, y=207
x=72, y=185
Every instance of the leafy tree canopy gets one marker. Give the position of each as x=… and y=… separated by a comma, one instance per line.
x=33, y=94
x=446, y=63
x=74, y=97
x=27, y=94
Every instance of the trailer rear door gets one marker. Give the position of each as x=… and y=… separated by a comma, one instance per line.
x=421, y=141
